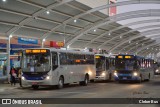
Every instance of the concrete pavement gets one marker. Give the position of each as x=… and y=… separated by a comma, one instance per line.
x=93, y=90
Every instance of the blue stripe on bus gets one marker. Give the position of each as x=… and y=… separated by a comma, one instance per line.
x=33, y=78
x=124, y=74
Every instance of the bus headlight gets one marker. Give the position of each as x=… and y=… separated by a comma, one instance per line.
x=103, y=74
x=47, y=77
x=23, y=78
x=157, y=70
x=135, y=74
x=115, y=74
x=90, y=73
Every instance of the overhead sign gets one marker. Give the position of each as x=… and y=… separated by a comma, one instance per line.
x=56, y=44
x=120, y=57
x=27, y=41
x=36, y=51
x=127, y=57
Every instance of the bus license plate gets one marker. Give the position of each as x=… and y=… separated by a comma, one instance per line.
x=34, y=83
x=124, y=78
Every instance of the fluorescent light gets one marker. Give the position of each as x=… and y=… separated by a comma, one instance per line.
x=94, y=30
x=109, y=33
x=4, y=0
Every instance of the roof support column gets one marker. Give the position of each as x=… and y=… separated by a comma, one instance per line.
x=64, y=34
x=8, y=57
x=42, y=41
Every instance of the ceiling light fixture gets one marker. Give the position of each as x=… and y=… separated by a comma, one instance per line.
x=47, y=12
x=75, y=20
x=4, y=0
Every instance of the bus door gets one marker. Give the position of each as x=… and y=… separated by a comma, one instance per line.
x=107, y=65
x=55, y=64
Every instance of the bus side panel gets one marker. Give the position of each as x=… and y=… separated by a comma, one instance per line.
x=78, y=72
x=64, y=71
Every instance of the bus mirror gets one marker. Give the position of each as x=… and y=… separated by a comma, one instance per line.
x=19, y=58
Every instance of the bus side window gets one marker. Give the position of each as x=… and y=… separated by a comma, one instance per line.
x=63, y=58
x=54, y=60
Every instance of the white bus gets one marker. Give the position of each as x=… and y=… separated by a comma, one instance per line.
x=46, y=67
x=105, y=66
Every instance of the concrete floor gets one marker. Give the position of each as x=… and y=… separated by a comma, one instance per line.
x=146, y=89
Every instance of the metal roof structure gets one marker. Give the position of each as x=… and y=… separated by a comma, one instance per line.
x=79, y=25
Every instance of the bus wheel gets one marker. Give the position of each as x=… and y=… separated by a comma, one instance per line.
x=60, y=83
x=140, y=80
x=35, y=87
x=110, y=76
x=148, y=77
x=92, y=81
x=85, y=82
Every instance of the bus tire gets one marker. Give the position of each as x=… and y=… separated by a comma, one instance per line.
x=92, y=81
x=149, y=76
x=120, y=81
x=110, y=77
x=35, y=87
x=85, y=82
x=140, y=80
x=60, y=83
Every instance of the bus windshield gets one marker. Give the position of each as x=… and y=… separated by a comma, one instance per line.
x=36, y=62
x=126, y=64
x=100, y=63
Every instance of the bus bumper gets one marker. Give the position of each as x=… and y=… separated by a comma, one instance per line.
x=44, y=82
x=127, y=78
x=98, y=78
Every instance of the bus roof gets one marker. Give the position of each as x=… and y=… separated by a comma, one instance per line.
x=136, y=56
x=105, y=55
x=67, y=51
